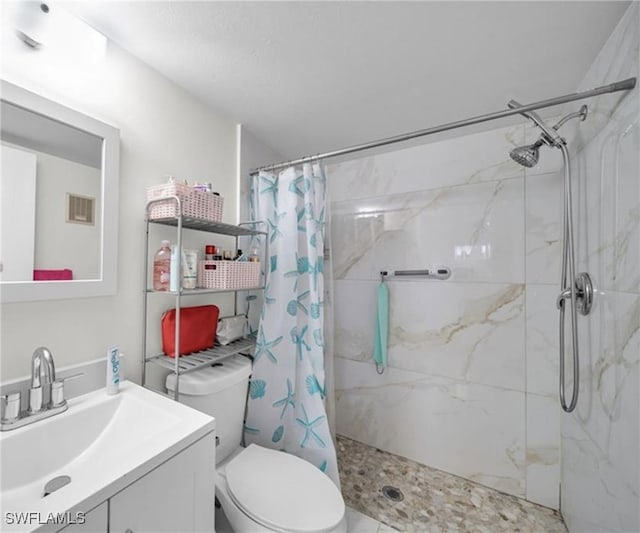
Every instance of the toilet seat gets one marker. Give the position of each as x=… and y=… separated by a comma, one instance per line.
x=283, y=492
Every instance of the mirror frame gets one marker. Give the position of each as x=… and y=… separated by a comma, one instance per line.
x=106, y=284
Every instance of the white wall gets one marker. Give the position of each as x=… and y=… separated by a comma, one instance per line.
x=163, y=130
x=252, y=153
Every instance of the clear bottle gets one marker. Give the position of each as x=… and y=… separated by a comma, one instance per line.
x=162, y=267
x=254, y=256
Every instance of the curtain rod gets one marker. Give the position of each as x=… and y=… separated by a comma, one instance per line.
x=624, y=85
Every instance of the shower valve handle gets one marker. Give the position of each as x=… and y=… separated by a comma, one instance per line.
x=584, y=294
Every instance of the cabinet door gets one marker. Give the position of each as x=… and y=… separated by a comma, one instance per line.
x=95, y=521
x=178, y=495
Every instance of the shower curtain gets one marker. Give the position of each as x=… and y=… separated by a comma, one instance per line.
x=286, y=405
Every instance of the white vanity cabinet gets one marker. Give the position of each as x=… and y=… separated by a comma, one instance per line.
x=94, y=521
x=178, y=495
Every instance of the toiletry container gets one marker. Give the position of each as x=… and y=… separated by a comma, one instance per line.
x=113, y=370
x=189, y=268
x=254, y=256
x=162, y=267
x=260, y=489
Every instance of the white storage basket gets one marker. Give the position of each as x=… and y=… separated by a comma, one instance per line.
x=195, y=203
x=228, y=274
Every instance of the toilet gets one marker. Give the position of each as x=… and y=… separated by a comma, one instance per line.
x=259, y=489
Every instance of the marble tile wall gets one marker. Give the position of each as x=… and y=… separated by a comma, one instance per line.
x=467, y=390
x=601, y=439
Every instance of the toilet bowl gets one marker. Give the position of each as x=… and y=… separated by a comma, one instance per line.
x=260, y=490
x=263, y=490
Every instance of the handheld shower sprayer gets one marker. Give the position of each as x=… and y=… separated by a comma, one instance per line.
x=575, y=288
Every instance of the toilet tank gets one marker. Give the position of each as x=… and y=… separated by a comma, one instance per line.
x=220, y=391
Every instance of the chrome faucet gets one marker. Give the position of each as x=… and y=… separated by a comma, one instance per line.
x=12, y=417
x=40, y=359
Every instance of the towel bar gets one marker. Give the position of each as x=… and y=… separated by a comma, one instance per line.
x=440, y=272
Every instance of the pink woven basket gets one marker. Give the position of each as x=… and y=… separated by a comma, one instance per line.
x=196, y=204
x=228, y=274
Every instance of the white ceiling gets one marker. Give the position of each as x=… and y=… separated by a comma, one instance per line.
x=308, y=77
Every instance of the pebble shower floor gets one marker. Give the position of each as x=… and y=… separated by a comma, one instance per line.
x=409, y=496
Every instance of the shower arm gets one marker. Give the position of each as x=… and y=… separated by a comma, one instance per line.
x=581, y=114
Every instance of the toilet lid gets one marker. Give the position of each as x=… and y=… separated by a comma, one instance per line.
x=283, y=492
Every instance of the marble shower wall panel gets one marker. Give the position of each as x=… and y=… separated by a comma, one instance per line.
x=542, y=341
x=601, y=439
x=600, y=465
x=592, y=499
x=608, y=193
x=471, y=159
x=476, y=230
x=474, y=431
x=543, y=450
x=354, y=319
x=543, y=228
x=470, y=332
x=618, y=60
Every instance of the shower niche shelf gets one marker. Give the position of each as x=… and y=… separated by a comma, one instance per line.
x=218, y=353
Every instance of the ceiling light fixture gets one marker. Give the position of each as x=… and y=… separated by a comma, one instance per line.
x=32, y=21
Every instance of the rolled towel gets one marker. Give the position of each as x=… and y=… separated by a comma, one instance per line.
x=381, y=338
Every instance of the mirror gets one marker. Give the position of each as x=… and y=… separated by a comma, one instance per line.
x=58, y=200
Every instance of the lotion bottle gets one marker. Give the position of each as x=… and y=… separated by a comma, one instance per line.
x=113, y=370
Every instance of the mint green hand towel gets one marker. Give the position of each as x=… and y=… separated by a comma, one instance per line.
x=380, y=340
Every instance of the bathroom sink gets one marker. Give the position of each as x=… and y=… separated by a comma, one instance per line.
x=101, y=442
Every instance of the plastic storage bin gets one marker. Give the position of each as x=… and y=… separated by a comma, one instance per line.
x=228, y=274
x=195, y=203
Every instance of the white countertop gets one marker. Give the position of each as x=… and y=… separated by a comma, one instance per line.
x=104, y=443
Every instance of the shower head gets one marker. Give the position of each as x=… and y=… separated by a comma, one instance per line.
x=527, y=156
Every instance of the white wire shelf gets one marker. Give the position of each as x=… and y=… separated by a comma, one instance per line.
x=194, y=361
x=208, y=225
x=189, y=292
